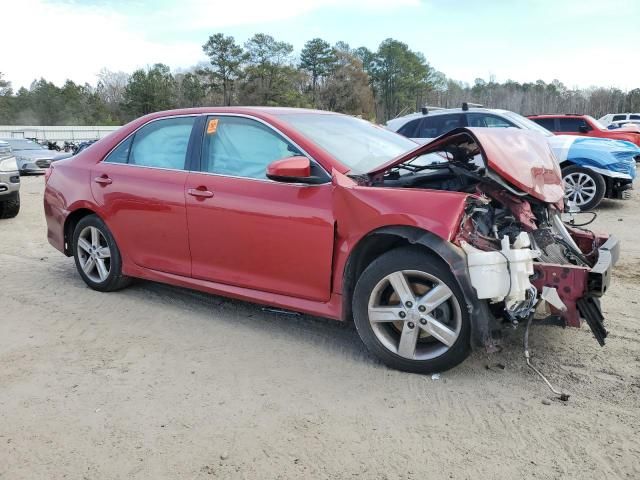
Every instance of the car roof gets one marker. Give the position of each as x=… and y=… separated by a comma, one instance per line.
x=242, y=109
x=400, y=121
x=557, y=115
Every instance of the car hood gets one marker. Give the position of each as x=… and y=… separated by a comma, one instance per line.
x=603, y=153
x=522, y=158
x=626, y=129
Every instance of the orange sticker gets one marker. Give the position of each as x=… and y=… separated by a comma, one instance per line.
x=212, y=126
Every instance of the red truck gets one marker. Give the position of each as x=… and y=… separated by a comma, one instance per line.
x=574, y=124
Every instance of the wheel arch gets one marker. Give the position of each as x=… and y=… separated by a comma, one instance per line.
x=384, y=239
x=566, y=163
x=70, y=225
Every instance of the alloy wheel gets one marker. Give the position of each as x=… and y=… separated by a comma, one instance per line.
x=580, y=188
x=94, y=254
x=414, y=315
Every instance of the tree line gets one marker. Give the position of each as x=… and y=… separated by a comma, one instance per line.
x=376, y=85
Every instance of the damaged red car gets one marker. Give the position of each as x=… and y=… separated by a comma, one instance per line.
x=429, y=249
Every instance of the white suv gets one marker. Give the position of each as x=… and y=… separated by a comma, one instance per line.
x=9, y=183
x=618, y=117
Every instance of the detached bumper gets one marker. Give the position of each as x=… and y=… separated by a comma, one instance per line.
x=600, y=274
x=580, y=288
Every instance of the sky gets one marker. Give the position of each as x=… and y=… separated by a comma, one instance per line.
x=582, y=43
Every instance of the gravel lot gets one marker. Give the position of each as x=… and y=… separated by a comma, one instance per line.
x=161, y=382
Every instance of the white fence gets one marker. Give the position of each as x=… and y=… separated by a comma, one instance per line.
x=55, y=133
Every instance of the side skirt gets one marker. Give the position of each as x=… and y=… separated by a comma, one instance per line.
x=331, y=309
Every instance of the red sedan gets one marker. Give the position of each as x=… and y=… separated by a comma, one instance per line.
x=585, y=125
x=428, y=248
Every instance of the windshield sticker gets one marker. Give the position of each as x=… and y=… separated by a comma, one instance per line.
x=212, y=126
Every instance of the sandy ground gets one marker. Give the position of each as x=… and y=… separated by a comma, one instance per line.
x=161, y=382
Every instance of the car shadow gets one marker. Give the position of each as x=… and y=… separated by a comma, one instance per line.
x=610, y=205
x=340, y=338
x=337, y=336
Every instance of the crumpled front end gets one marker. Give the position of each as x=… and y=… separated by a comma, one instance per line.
x=521, y=259
x=526, y=262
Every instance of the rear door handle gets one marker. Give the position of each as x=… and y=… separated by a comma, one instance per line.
x=103, y=180
x=200, y=192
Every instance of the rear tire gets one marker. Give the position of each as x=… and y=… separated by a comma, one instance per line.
x=583, y=186
x=423, y=329
x=97, y=256
x=10, y=208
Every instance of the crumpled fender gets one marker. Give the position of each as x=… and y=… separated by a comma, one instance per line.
x=423, y=217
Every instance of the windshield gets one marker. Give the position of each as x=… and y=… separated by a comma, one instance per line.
x=526, y=124
x=357, y=144
x=21, y=144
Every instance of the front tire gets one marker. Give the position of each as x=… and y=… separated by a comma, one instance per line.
x=409, y=312
x=583, y=186
x=97, y=256
x=10, y=208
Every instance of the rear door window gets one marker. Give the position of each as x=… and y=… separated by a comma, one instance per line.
x=548, y=123
x=162, y=143
x=488, y=120
x=634, y=117
x=572, y=124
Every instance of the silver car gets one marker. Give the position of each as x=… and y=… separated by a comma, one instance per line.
x=9, y=183
x=31, y=156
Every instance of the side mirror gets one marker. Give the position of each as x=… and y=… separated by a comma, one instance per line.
x=583, y=129
x=292, y=170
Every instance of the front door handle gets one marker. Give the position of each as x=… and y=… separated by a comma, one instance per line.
x=200, y=192
x=103, y=180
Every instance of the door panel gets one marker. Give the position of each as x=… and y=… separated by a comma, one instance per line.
x=145, y=210
x=262, y=235
x=140, y=189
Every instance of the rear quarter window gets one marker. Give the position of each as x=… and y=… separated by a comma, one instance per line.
x=409, y=128
x=121, y=153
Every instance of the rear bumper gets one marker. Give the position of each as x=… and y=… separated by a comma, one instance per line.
x=55, y=217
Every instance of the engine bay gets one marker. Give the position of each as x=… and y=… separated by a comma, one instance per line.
x=522, y=257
